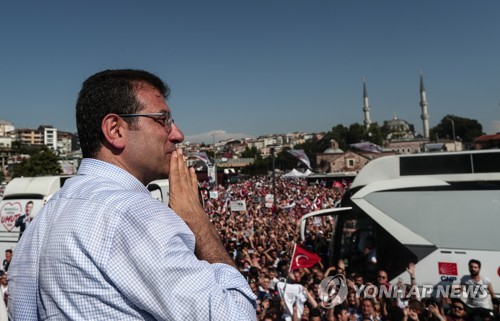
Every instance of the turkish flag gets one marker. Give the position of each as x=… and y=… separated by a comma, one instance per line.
x=302, y=258
x=337, y=184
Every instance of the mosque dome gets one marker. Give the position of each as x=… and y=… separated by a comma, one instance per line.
x=334, y=148
x=399, y=129
x=398, y=125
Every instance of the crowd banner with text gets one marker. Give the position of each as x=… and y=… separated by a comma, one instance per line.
x=239, y=205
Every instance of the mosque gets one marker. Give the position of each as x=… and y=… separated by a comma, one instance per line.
x=401, y=136
x=400, y=139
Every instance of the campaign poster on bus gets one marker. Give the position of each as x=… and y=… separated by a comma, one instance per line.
x=12, y=209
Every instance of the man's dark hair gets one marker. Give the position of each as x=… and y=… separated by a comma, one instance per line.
x=315, y=312
x=368, y=300
x=107, y=92
x=475, y=261
x=415, y=305
x=338, y=309
x=8, y=251
x=253, y=272
x=458, y=300
x=29, y=202
x=462, y=303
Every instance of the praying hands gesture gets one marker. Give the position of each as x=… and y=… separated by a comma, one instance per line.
x=185, y=201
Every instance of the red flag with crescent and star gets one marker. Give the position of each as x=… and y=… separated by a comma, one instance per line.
x=302, y=258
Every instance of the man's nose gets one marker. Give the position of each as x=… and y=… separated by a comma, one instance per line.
x=176, y=135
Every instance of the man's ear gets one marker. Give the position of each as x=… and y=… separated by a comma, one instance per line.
x=115, y=130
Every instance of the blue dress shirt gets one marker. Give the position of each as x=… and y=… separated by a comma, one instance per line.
x=103, y=249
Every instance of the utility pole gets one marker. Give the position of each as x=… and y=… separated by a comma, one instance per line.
x=453, y=130
x=215, y=161
x=274, y=179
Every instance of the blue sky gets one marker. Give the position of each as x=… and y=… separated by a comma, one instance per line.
x=248, y=68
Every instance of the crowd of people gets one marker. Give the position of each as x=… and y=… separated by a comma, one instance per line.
x=261, y=239
x=103, y=248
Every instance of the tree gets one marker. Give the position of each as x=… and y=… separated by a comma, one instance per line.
x=325, y=142
x=340, y=134
x=251, y=153
x=357, y=133
x=354, y=134
x=285, y=161
x=375, y=134
x=465, y=129
x=27, y=149
x=260, y=167
x=42, y=163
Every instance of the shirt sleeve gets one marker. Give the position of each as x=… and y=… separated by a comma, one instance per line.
x=152, y=263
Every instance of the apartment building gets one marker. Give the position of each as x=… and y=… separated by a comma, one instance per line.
x=27, y=136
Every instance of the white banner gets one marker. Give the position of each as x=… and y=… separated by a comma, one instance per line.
x=214, y=194
x=269, y=200
x=211, y=173
x=239, y=205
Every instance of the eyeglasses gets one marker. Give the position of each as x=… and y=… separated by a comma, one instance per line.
x=457, y=307
x=164, y=118
x=382, y=277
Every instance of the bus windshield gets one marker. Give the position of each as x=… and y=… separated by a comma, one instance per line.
x=365, y=247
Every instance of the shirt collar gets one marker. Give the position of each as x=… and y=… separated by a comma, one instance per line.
x=92, y=166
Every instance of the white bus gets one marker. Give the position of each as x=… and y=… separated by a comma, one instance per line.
x=438, y=210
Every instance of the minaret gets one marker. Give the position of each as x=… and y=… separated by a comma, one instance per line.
x=366, y=106
x=423, y=104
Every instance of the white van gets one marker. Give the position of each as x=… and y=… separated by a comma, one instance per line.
x=19, y=193
x=159, y=190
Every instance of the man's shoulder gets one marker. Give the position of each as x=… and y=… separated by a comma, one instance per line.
x=103, y=190
x=486, y=280
x=465, y=279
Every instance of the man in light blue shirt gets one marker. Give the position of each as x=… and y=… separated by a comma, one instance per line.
x=102, y=248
